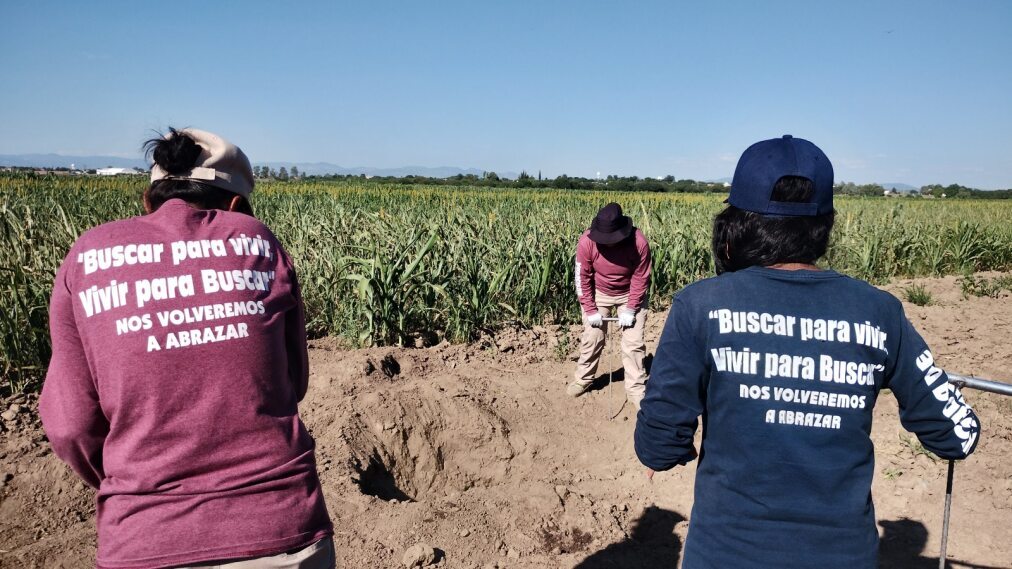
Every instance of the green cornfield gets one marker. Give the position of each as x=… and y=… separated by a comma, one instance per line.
x=382, y=264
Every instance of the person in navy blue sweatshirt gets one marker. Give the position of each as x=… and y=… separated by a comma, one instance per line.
x=784, y=362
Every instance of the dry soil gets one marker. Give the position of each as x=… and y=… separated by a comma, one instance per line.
x=477, y=451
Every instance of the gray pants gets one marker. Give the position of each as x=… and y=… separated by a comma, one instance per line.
x=319, y=555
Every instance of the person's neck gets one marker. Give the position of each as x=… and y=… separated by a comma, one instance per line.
x=794, y=267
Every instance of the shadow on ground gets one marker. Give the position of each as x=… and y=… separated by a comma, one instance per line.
x=603, y=379
x=903, y=544
x=601, y=382
x=652, y=543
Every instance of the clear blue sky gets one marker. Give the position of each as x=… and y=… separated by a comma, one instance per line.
x=912, y=91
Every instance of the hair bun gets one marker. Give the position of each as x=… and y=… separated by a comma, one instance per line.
x=176, y=153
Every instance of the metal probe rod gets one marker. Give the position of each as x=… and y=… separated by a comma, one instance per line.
x=945, y=519
x=981, y=384
x=612, y=415
x=962, y=381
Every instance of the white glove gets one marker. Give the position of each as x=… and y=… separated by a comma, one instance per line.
x=626, y=318
x=595, y=320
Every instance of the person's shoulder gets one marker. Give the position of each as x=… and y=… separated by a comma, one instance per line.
x=108, y=234
x=244, y=220
x=110, y=231
x=704, y=288
x=731, y=284
x=861, y=299
x=245, y=223
x=868, y=293
x=641, y=239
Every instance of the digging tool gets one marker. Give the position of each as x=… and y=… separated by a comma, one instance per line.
x=611, y=370
x=998, y=387
x=962, y=381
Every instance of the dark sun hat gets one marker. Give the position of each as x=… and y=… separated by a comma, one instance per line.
x=610, y=226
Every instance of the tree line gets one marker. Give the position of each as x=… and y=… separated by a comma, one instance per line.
x=625, y=184
x=280, y=174
x=563, y=182
x=931, y=190
x=525, y=180
x=957, y=191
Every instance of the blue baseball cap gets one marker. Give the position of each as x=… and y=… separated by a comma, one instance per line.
x=765, y=162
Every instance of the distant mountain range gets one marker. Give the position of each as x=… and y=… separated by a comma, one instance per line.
x=309, y=168
x=325, y=168
x=79, y=162
x=900, y=187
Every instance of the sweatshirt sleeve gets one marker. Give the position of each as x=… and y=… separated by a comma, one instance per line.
x=295, y=334
x=69, y=405
x=676, y=392
x=930, y=407
x=585, y=275
x=639, y=288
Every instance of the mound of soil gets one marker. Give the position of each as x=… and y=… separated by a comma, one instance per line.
x=477, y=451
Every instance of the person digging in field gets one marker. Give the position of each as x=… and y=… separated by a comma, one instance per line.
x=612, y=279
x=784, y=361
x=179, y=357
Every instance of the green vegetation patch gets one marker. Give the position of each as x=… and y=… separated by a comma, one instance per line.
x=395, y=264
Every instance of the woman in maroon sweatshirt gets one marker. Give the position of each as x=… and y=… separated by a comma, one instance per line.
x=612, y=280
x=179, y=357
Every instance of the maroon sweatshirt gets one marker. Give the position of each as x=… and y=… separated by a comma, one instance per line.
x=616, y=270
x=179, y=356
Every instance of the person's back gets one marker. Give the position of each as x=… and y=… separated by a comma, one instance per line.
x=179, y=358
x=785, y=363
x=796, y=362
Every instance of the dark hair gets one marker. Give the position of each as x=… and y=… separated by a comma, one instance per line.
x=177, y=155
x=742, y=239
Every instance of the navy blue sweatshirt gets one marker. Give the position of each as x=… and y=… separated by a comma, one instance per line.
x=785, y=367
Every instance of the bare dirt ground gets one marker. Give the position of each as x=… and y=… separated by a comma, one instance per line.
x=477, y=451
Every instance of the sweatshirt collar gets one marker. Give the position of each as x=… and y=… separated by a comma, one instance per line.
x=800, y=274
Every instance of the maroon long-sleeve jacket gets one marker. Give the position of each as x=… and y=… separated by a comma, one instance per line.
x=616, y=270
x=179, y=357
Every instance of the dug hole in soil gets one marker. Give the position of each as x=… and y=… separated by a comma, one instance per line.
x=478, y=452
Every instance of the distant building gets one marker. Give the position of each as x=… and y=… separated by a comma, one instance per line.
x=116, y=171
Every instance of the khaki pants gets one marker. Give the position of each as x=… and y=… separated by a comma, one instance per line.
x=319, y=555
x=633, y=347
